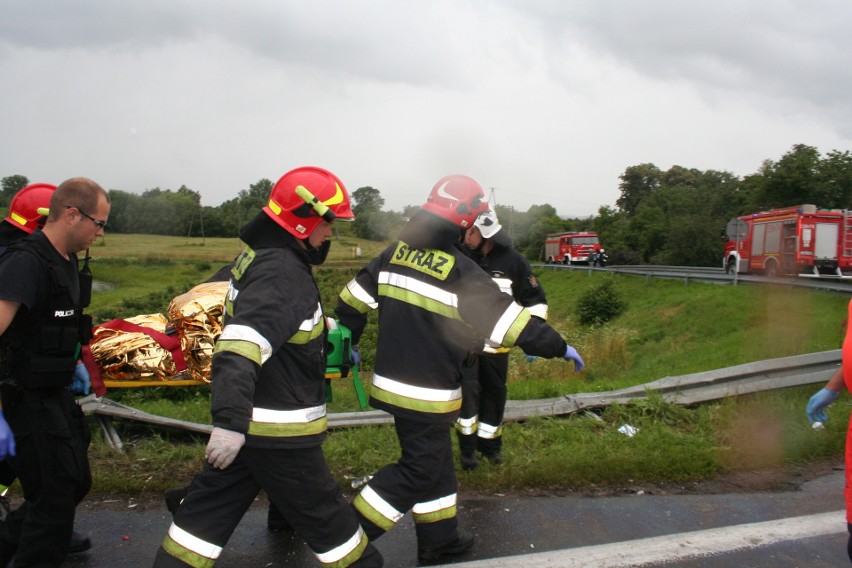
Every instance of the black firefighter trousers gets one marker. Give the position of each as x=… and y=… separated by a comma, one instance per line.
x=424, y=479
x=51, y=462
x=297, y=481
x=484, y=395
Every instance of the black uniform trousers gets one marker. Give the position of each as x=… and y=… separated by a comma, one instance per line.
x=297, y=481
x=484, y=395
x=51, y=462
x=424, y=473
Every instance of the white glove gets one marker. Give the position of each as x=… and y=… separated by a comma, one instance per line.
x=223, y=447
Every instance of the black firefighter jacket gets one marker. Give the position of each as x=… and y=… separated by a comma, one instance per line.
x=269, y=362
x=432, y=305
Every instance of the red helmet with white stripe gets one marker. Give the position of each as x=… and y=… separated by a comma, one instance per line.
x=305, y=197
x=458, y=199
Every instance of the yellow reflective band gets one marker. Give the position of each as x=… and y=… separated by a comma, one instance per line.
x=363, y=301
x=467, y=426
x=435, y=263
x=299, y=416
x=346, y=553
x=18, y=219
x=489, y=432
x=377, y=510
x=309, y=329
x=509, y=326
x=437, y=510
x=244, y=341
x=274, y=207
x=291, y=430
x=190, y=549
x=420, y=399
x=243, y=261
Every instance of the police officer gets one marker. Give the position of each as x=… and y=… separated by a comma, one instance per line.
x=43, y=432
x=268, y=381
x=480, y=422
x=429, y=295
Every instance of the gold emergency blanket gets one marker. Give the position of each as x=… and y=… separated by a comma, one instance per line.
x=197, y=318
x=194, y=317
x=131, y=355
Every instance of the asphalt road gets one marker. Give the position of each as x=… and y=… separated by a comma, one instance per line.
x=803, y=528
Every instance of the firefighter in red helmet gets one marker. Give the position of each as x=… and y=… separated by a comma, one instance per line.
x=27, y=212
x=433, y=302
x=268, y=383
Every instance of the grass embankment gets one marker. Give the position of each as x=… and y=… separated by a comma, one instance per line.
x=667, y=329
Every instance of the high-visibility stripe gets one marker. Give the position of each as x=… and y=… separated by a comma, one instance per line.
x=309, y=329
x=437, y=510
x=190, y=549
x=538, y=310
x=505, y=285
x=346, y=553
x=377, y=510
x=420, y=399
x=489, y=431
x=356, y=296
x=244, y=341
x=419, y=287
x=510, y=325
x=467, y=426
x=288, y=423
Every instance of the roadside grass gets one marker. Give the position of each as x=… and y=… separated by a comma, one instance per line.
x=669, y=328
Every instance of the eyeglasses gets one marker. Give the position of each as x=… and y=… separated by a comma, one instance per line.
x=100, y=224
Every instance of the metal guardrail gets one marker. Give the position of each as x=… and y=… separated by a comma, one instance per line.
x=684, y=390
x=709, y=274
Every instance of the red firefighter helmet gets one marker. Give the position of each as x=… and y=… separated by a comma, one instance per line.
x=458, y=199
x=306, y=196
x=29, y=206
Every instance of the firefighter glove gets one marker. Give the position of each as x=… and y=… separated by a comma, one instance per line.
x=223, y=447
x=82, y=384
x=572, y=355
x=355, y=355
x=7, y=439
x=818, y=403
x=531, y=358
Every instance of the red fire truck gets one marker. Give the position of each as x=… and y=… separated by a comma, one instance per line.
x=570, y=247
x=800, y=240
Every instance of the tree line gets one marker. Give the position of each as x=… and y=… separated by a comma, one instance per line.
x=674, y=217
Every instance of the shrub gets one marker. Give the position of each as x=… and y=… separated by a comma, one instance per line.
x=600, y=304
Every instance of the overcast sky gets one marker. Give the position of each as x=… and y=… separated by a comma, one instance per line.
x=546, y=101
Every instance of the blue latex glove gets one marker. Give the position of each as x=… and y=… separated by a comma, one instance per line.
x=572, y=355
x=354, y=355
x=818, y=403
x=82, y=384
x=531, y=358
x=7, y=439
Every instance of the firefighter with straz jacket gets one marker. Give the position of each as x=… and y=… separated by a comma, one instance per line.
x=480, y=424
x=431, y=300
x=268, y=389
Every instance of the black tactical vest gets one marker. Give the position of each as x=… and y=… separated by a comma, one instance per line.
x=42, y=345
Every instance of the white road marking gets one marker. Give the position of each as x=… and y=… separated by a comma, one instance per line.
x=676, y=546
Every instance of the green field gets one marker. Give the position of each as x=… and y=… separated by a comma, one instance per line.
x=668, y=328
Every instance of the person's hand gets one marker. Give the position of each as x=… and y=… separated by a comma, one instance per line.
x=818, y=403
x=572, y=355
x=7, y=438
x=223, y=447
x=82, y=384
x=531, y=358
x=354, y=355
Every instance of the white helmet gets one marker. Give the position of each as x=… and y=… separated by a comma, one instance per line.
x=488, y=224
